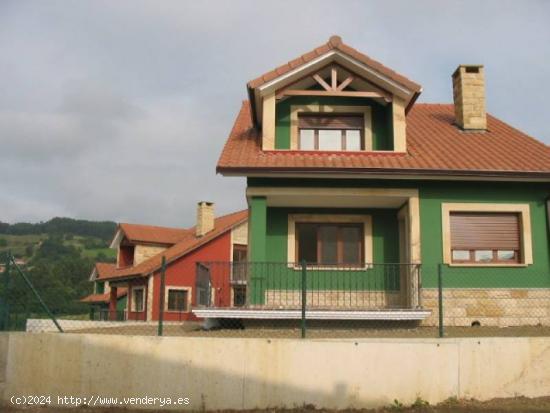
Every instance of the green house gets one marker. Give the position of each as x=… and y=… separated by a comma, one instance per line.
x=378, y=194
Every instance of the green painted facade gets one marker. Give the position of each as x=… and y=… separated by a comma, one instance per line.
x=382, y=133
x=268, y=241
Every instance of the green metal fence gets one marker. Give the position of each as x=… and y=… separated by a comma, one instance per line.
x=468, y=307
x=281, y=299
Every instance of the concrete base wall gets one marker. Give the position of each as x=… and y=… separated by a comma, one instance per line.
x=494, y=307
x=238, y=373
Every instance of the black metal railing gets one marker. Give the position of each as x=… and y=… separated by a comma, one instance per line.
x=108, y=315
x=283, y=285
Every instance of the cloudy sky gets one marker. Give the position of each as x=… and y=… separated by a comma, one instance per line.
x=119, y=109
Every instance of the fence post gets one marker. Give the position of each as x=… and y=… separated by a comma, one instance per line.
x=440, y=298
x=304, y=289
x=40, y=300
x=161, y=296
x=4, y=309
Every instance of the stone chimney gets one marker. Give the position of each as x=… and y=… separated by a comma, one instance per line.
x=469, y=97
x=205, y=218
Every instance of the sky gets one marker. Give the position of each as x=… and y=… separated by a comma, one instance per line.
x=118, y=110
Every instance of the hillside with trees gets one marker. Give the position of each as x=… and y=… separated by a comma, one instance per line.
x=58, y=256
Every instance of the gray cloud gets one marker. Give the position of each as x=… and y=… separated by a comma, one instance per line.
x=119, y=110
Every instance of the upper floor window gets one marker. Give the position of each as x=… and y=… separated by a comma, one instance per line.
x=126, y=255
x=330, y=132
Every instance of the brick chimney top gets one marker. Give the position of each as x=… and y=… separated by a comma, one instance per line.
x=205, y=218
x=469, y=97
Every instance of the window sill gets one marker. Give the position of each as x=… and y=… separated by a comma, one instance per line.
x=493, y=265
x=329, y=268
x=336, y=152
x=177, y=311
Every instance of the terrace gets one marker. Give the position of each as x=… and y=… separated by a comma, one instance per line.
x=270, y=290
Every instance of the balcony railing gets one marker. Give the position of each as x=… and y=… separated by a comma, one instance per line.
x=107, y=315
x=282, y=285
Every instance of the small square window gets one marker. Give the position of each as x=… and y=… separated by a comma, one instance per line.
x=353, y=140
x=461, y=255
x=483, y=255
x=506, y=255
x=177, y=300
x=330, y=140
x=307, y=139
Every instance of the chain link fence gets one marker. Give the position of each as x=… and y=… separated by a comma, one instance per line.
x=492, y=301
x=293, y=300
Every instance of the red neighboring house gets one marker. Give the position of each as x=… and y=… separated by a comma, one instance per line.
x=100, y=298
x=139, y=262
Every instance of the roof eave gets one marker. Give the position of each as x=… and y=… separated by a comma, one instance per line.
x=245, y=171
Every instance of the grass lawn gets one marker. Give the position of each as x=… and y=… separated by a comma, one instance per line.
x=18, y=243
x=93, y=253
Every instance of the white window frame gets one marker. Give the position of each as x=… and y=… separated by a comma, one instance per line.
x=295, y=111
x=133, y=307
x=178, y=288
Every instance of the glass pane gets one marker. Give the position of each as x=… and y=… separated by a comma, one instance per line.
x=181, y=300
x=483, y=255
x=307, y=139
x=171, y=300
x=330, y=140
x=328, y=235
x=353, y=140
x=177, y=300
x=138, y=300
x=506, y=255
x=461, y=255
x=239, y=296
x=307, y=243
x=351, y=244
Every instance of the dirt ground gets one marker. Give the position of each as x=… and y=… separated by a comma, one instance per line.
x=341, y=331
x=518, y=404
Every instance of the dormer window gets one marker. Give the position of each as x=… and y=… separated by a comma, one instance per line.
x=341, y=132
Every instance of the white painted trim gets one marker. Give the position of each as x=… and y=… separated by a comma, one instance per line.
x=150, y=295
x=312, y=314
x=119, y=235
x=266, y=87
x=133, y=304
x=526, y=235
x=93, y=275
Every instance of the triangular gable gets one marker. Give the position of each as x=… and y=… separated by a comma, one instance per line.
x=332, y=54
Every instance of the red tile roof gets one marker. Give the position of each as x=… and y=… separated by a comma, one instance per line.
x=185, y=246
x=103, y=298
x=104, y=269
x=434, y=146
x=334, y=43
x=153, y=234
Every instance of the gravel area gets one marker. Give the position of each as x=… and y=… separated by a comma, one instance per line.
x=518, y=404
